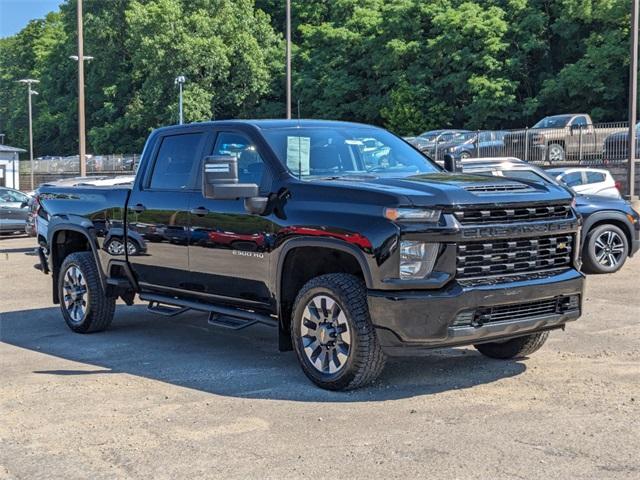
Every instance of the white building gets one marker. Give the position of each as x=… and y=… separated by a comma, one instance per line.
x=10, y=166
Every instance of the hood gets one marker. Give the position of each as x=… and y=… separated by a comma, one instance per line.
x=597, y=202
x=445, y=189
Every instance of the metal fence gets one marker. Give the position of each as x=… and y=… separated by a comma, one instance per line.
x=116, y=164
x=599, y=144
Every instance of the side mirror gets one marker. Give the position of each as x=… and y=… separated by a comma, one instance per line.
x=220, y=179
x=450, y=163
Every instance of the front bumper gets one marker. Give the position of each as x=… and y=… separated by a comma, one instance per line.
x=408, y=322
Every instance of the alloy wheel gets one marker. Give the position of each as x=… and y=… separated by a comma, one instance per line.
x=556, y=153
x=76, y=294
x=609, y=248
x=325, y=334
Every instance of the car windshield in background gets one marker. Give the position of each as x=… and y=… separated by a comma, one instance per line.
x=317, y=152
x=557, y=121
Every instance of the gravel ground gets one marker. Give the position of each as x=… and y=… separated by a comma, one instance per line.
x=158, y=397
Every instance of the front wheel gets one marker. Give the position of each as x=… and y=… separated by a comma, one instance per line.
x=515, y=348
x=605, y=249
x=84, y=304
x=332, y=333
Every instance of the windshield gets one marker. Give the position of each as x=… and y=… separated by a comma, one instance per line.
x=557, y=121
x=310, y=152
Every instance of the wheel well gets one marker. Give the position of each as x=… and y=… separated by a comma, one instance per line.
x=609, y=221
x=556, y=142
x=304, y=263
x=63, y=243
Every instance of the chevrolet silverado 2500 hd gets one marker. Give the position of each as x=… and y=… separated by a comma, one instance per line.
x=346, y=239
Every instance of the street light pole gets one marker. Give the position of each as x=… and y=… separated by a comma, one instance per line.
x=633, y=97
x=180, y=79
x=288, y=59
x=30, y=91
x=82, y=154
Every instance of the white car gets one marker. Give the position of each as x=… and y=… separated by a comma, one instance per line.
x=587, y=181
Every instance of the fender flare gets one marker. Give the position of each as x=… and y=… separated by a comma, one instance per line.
x=611, y=215
x=330, y=243
x=58, y=227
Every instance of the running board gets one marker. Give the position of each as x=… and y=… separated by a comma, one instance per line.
x=166, y=310
x=226, y=317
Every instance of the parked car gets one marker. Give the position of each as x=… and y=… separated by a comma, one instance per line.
x=558, y=138
x=14, y=209
x=481, y=144
x=434, y=142
x=616, y=146
x=611, y=228
x=587, y=181
x=349, y=265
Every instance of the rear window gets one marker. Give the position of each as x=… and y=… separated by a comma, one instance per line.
x=175, y=160
x=595, y=177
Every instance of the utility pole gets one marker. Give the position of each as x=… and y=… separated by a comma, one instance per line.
x=288, y=59
x=30, y=91
x=633, y=98
x=180, y=79
x=82, y=154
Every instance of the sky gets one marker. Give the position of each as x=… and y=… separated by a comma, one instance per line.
x=15, y=14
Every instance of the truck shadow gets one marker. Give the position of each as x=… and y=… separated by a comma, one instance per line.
x=185, y=351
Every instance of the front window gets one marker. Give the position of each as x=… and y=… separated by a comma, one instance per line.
x=557, y=121
x=318, y=152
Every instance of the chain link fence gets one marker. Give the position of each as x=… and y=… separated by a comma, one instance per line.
x=96, y=164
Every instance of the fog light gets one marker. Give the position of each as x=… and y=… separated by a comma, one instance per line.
x=417, y=259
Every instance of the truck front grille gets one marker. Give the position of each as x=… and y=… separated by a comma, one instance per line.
x=511, y=215
x=503, y=257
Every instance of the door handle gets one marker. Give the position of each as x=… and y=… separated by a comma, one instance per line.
x=200, y=211
x=139, y=208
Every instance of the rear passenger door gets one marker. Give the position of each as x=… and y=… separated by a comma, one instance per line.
x=158, y=210
x=229, y=249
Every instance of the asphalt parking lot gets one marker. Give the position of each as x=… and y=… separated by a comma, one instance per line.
x=159, y=397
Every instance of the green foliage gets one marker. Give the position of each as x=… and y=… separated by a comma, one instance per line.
x=409, y=65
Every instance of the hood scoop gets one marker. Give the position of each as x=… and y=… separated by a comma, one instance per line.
x=498, y=188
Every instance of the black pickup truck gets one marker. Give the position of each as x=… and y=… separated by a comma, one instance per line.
x=346, y=239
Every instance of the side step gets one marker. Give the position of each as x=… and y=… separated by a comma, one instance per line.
x=219, y=316
x=166, y=310
x=232, y=323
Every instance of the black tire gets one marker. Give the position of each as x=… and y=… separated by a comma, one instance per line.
x=591, y=250
x=515, y=348
x=99, y=309
x=365, y=358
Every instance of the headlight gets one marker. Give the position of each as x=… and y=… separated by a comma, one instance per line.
x=412, y=214
x=417, y=259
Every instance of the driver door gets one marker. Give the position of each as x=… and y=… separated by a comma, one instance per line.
x=229, y=249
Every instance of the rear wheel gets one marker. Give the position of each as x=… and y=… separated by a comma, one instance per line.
x=332, y=333
x=605, y=250
x=83, y=302
x=515, y=348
